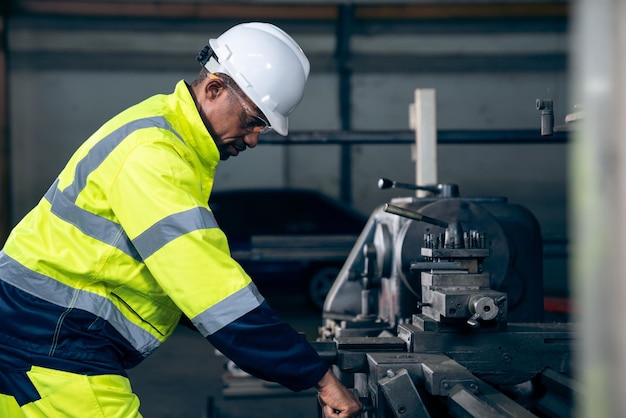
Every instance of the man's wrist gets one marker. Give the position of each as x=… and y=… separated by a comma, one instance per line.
x=327, y=379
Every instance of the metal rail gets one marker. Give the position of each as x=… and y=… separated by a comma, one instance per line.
x=444, y=137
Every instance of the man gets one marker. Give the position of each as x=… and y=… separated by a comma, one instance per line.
x=97, y=275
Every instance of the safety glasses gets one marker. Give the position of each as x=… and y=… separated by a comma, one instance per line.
x=254, y=123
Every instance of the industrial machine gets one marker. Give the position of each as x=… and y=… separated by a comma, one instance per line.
x=438, y=311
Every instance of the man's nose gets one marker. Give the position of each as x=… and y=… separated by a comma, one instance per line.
x=251, y=139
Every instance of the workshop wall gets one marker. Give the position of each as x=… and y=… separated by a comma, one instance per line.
x=68, y=75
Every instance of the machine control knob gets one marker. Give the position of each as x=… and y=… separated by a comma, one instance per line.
x=482, y=307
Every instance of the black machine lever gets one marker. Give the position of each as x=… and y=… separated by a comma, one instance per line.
x=411, y=214
x=454, y=236
x=443, y=190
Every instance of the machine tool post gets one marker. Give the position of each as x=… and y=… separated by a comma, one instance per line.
x=453, y=237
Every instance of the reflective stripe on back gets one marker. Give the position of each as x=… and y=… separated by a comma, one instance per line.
x=105, y=146
x=63, y=201
x=88, y=223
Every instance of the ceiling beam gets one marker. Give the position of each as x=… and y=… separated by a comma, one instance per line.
x=307, y=11
x=456, y=11
x=174, y=10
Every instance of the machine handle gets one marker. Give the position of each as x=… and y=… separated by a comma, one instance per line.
x=411, y=214
x=547, y=116
x=443, y=190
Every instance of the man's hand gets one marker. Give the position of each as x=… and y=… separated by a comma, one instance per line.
x=335, y=399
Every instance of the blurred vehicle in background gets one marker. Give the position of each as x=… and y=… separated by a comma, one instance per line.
x=293, y=236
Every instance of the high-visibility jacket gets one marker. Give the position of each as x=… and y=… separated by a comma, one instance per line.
x=96, y=276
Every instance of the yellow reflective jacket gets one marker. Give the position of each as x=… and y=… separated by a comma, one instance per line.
x=123, y=241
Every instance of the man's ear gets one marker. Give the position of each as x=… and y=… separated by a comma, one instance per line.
x=213, y=88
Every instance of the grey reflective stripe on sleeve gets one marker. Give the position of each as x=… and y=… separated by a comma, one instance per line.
x=61, y=294
x=172, y=227
x=63, y=201
x=228, y=310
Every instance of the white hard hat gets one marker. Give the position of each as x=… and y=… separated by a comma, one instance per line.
x=267, y=65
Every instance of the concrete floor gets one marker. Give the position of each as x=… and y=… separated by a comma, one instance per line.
x=184, y=378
